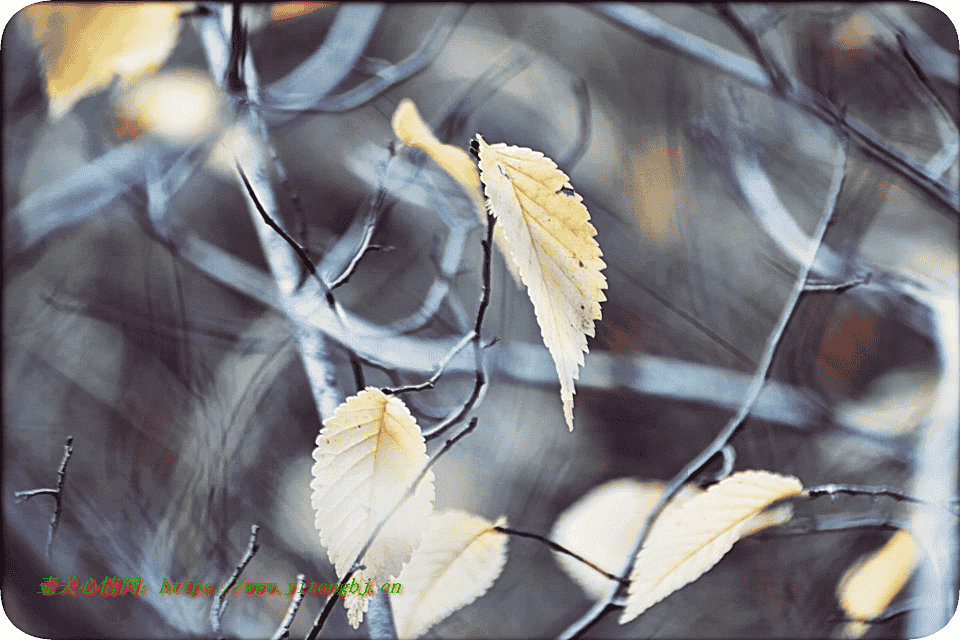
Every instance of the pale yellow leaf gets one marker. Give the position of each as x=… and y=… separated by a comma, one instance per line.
x=410, y=127
x=459, y=559
x=287, y=10
x=552, y=243
x=868, y=587
x=689, y=541
x=366, y=457
x=603, y=526
x=84, y=46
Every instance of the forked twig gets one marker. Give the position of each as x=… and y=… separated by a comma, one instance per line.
x=219, y=605
x=23, y=496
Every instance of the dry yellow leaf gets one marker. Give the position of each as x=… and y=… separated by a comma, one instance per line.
x=366, y=457
x=687, y=542
x=868, y=587
x=410, y=127
x=552, y=243
x=458, y=560
x=84, y=46
x=603, y=526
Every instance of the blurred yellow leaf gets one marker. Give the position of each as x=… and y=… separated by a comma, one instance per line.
x=366, y=456
x=690, y=540
x=180, y=106
x=603, y=526
x=458, y=560
x=287, y=10
x=552, y=243
x=866, y=589
x=84, y=46
x=658, y=188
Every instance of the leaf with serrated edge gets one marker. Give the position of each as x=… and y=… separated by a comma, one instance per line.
x=459, y=559
x=552, y=243
x=603, y=526
x=689, y=541
x=367, y=455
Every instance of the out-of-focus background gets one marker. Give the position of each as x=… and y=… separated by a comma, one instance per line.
x=141, y=313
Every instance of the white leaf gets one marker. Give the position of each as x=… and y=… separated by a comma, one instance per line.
x=689, y=541
x=552, y=243
x=366, y=457
x=603, y=526
x=459, y=559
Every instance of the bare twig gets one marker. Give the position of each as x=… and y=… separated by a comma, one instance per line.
x=752, y=73
x=356, y=566
x=480, y=377
x=560, y=549
x=387, y=75
x=836, y=287
x=850, y=490
x=23, y=496
x=440, y=367
x=219, y=604
x=603, y=605
x=778, y=78
x=283, y=631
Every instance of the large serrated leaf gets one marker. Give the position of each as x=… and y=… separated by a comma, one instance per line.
x=551, y=241
x=459, y=559
x=367, y=455
x=686, y=543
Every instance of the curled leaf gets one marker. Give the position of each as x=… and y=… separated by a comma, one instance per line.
x=459, y=559
x=552, y=243
x=366, y=457
x=687, y=542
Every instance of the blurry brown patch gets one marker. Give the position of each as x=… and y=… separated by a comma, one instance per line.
x=658, y=187
x=849, y=338
x=287, y=10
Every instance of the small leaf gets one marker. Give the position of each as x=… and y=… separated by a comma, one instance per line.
x=688, y=542
x=552, y=243
x=459, y=559
x=84, y=46
x=410, y=127
x=603, y=526
x=366, y=457
x=868, y=587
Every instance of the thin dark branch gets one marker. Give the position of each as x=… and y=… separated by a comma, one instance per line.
x=918, y=71
x=440, y=367
x=357, y=367
x=560, y=549
x=356, y=566
x=851, y=490
x=219, y=605
x=480, y=379
x=283, y=631
x=238, y=51
x=753, y=392
x=779, y=79
x=283, y=234
x=693, y=47
x=805, y=525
